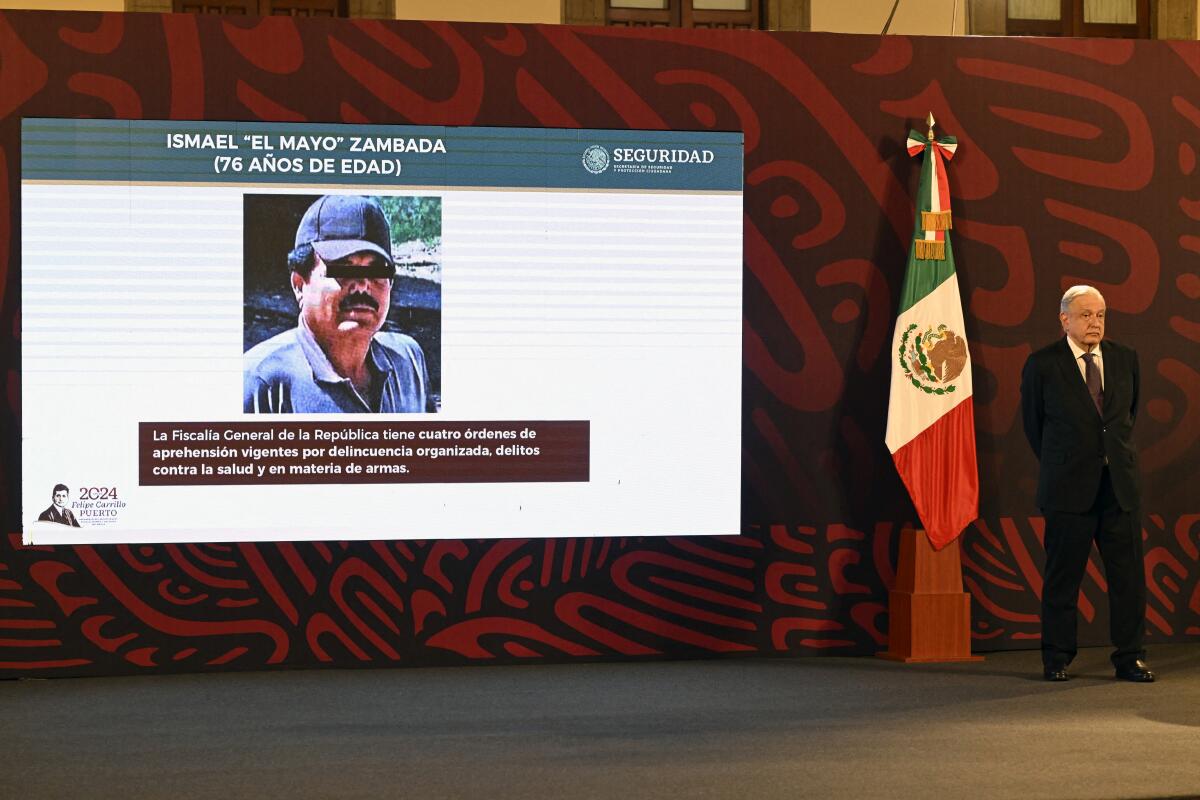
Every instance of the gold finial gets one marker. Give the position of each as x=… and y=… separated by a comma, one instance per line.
x=929, y=120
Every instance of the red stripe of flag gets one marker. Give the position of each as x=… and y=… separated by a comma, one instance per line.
x=938, y=467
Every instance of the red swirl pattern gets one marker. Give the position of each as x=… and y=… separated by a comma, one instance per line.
x=1047, y=193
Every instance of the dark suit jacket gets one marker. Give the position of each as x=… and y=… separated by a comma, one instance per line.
x=51, y=515
x=1069, y=438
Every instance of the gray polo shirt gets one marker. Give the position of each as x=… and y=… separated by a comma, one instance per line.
x=289, y=373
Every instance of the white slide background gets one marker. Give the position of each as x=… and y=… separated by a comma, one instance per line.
x=624, y=309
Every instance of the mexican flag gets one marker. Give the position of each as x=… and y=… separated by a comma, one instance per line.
x=931, y=414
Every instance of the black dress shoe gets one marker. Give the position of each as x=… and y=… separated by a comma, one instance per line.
x=1137, y=671
x=1057, y=674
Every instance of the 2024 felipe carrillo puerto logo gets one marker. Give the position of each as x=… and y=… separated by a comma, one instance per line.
x=595, y=159
x=932, y=358
x=84, y=506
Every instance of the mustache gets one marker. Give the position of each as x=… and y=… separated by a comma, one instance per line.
x=358, y=299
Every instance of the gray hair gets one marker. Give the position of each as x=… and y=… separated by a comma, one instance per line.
x=1077, y=291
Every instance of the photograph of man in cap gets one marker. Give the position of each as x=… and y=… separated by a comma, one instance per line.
x=58, y=511
x=337, y=359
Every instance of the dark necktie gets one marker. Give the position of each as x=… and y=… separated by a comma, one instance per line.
x=1091, y=374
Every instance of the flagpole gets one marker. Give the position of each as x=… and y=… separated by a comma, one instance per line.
x=931, y=430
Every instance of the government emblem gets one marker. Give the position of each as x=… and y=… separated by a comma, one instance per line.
x=932, y=358
x=595, y=159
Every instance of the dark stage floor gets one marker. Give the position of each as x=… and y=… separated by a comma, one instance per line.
x=832, y=727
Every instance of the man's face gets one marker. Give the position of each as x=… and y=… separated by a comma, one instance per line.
x=1084, y=320
x=60, y=498
x=334, y=307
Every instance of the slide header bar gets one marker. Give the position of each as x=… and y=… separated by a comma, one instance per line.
x=307, y=154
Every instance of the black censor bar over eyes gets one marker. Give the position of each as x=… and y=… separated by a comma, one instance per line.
x=261, y=453
x=348, y=270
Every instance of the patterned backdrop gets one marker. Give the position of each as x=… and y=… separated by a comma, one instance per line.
x=1076, y=164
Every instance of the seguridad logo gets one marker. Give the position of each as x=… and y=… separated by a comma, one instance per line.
x=660, y=160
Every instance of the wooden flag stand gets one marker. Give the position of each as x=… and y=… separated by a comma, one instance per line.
x=930, y=613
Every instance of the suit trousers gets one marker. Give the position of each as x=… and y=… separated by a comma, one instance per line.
x=1068, y=539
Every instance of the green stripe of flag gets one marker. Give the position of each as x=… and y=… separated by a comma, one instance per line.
x=922, y=276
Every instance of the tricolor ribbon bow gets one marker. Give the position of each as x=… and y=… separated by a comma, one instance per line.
x=933, y=195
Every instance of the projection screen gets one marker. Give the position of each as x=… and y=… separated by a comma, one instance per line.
x=263, y=332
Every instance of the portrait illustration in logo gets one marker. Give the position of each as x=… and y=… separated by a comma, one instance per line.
x=59, y=512
x=933, y=358
x=595, y=159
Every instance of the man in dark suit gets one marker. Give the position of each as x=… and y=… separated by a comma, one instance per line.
x=58, y=511
x=1079, y=398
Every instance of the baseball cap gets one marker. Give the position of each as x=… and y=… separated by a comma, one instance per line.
x=339, y=225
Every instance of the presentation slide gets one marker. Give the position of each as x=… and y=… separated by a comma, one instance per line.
x=238, y=331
